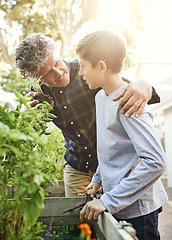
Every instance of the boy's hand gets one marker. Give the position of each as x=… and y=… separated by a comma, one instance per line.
x=134, y=97
x=32, y=103
x=91, y=210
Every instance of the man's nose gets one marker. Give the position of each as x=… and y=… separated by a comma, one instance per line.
x=58, y=72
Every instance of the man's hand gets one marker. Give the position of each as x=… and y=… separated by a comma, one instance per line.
x=95, y=187
x=32, y=103
x=134, y=97
x=91, y=211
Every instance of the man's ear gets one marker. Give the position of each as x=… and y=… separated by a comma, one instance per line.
x=102, y=66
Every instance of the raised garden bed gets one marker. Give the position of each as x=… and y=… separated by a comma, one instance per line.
x=107, y=228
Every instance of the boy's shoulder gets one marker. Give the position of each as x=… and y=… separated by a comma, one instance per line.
x=102, y=93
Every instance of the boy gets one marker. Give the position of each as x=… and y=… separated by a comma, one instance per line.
x=130, y=155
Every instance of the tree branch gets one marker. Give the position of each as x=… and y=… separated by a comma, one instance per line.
x=5, y=52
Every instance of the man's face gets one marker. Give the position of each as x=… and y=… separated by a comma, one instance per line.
x=90, y=75
x=54, y=73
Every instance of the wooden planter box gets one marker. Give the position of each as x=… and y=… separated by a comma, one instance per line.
x=107, y=228
x=53, y=191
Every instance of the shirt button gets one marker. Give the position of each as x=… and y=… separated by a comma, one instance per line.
x=87, y=163
x=86, y=166
x=85, y=147
x=71, y=122
x=65, y=107
x=79, y=135
x=61, y=91
x=89, y=155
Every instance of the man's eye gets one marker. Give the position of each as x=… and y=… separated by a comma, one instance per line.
x=56, y=64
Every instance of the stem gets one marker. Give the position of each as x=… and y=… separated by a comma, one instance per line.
x=80, y=205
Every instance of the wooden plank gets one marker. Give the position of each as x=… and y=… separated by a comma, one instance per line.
x=54, y=207
x=129, y=228
x=110, y=228
x=53, y=191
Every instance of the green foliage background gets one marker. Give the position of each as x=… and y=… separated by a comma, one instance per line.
x=12, y=82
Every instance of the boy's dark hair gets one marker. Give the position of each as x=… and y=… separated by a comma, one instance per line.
x=103, y=46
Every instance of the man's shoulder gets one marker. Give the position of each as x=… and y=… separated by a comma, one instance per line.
x=73, y=68
x=73, y=64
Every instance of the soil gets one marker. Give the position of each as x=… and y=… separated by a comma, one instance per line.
x=41, y=97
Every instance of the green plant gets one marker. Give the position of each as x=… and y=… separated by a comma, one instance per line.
x=54, y=150
x=12, y=81
x=35, y=83
x=66, y=232
x=23, y=165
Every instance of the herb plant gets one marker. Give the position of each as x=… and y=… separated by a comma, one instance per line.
x=23, y=165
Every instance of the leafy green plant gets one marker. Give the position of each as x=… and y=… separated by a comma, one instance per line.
x=66, y=232
x=23, y=165
x=12, y=81
x=54, y=150
x=81, y=232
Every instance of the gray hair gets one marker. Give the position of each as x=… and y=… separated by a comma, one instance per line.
x=33, y=52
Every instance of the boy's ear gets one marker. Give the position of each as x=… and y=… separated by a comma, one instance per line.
x=102, y=66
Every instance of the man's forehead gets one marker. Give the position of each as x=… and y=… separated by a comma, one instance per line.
x=54, y=59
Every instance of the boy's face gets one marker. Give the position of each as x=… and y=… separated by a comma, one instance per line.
x=54, y=73
x=90, y=75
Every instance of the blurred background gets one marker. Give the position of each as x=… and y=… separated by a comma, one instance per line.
x=146, y=25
